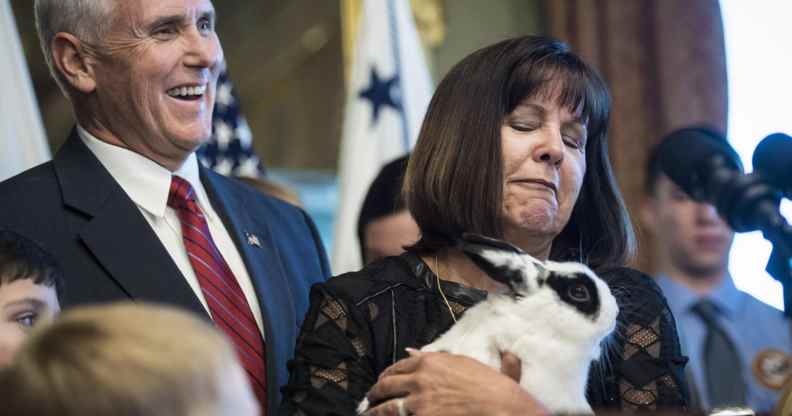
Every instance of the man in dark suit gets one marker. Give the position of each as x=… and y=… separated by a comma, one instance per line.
x=124, y=204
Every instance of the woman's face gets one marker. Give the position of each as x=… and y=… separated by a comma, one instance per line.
x=544, y=162
x=23, y=305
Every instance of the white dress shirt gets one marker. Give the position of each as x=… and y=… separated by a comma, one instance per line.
x=148, y=184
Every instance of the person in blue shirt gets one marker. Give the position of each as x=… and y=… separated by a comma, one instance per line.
x=738, y=346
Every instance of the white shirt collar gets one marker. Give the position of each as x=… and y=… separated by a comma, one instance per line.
x=146, y=182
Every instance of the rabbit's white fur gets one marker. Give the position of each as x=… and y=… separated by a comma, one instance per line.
x=554, y=341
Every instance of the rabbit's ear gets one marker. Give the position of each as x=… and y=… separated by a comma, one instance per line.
x=472, y=238
x=502, y=266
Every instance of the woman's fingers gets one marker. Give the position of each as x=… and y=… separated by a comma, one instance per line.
x=403, y=366
x=394, y=407
x=412, y=352
x=396, y=385
x=435, y=383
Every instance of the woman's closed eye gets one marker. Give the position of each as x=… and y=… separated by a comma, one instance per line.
x=573, y=141
x=574, y=136
x=524, y=127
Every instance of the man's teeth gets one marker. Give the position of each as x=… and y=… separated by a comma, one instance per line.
x=187, y=91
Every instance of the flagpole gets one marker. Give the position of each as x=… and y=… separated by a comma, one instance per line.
x=350, y=18
x=394, y=32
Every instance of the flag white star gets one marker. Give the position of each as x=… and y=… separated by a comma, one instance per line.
x=243, y=133
x=224, y=97
x=224, y=167
x=229, y=125
x=249, y=167
x=223, y=134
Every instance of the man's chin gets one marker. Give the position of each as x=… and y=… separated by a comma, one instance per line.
x=188, y=143
x=706, y=270
x=179, y=151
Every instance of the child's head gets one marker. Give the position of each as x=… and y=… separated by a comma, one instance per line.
x=30, y=286
x=128, y=359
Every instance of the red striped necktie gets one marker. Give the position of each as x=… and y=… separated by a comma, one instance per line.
x=227, y=304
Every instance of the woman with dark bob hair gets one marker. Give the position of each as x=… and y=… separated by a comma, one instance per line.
x=514, y=147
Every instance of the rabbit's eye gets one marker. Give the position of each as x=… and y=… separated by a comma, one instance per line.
x=579, y=293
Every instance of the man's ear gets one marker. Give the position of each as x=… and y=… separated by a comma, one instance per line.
x=74, y=65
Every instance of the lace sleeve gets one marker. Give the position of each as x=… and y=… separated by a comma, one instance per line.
x=331, y=371
x=642, y=366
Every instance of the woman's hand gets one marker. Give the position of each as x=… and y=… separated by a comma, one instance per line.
x=436, y=383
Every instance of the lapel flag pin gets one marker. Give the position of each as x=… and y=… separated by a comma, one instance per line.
x=253, y=239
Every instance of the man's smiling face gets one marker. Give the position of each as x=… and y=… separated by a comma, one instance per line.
x=156, y=73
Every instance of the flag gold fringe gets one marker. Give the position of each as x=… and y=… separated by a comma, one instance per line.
x=429, y=20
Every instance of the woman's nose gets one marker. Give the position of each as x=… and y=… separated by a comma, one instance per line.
x=549, y=148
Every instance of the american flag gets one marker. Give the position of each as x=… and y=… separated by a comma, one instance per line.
x=230, y=149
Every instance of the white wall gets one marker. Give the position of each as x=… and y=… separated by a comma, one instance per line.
x=759, y=63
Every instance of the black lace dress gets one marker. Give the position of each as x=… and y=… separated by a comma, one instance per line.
x=360, y=323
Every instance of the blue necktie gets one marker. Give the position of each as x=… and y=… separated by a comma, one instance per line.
x=722, y=364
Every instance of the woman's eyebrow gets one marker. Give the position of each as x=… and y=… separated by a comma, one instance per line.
x=577, y=122
x=529, y=107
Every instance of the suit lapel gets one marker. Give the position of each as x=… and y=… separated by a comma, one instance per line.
x=116, y=233
x=264, y=267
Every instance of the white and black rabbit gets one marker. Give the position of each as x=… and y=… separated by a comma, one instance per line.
x=554, y=317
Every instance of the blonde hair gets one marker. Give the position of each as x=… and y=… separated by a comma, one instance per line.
x=122, y=359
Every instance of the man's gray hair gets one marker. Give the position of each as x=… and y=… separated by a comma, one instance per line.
x=87, y=20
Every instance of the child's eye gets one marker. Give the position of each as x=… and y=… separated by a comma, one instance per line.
x=27, y=319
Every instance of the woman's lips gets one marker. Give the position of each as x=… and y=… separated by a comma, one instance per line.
x=536, y=183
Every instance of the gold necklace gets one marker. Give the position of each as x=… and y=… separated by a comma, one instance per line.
x=440, y=289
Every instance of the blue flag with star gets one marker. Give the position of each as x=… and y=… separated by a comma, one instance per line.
x=387, y=94
x=381, y=92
